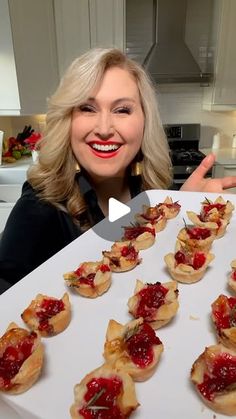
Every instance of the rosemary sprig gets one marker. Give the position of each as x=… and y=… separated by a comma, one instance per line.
x=96, y=396
x=131, y=332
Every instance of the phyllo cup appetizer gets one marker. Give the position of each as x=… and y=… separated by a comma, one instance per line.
x=196, y=238
x=152, y=215
x=187, y=266
x=123, y=256
x=214, y=377
x=133, y=347
x=141, y=236
x=21, y=359
x=224, y=317
x=156, y=303
x=104, y=393
x=48, y=315
x=90, y=279
x=171, y=209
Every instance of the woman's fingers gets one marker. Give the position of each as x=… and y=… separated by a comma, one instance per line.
x=205, y=165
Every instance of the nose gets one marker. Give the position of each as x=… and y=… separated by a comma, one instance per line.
x=104, y=125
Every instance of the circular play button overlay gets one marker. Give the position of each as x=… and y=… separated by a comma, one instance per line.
x=120, y=215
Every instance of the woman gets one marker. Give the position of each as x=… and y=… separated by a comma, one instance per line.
x=102, y=125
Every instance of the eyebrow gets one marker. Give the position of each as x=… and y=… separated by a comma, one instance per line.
x=117, y=101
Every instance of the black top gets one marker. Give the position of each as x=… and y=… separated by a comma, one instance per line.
x=36, y=230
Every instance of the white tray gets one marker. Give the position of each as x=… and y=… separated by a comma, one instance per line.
x=168, y=394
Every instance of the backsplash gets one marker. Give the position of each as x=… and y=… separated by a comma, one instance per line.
x=177, y=104
x=183, y=104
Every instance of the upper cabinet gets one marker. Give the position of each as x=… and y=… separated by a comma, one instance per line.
x=35, y=52
x=9, y=94
x=222, y=94
x=39, y=39
x=84, y=24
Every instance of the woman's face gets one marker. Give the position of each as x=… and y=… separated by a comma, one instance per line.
x=107, y=130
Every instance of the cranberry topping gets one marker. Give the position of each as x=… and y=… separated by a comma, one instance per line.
x=140, y=345
x=104, y=268
x=102, y=393
x=223, y=375
x=13, y=357
x=224, y=312
x=198, y=233
x=129, y=252
x=233, y=275
x=208, y=207
x=48, y=308
x=196, y=260
x=150, y=299
x=89, y=280
x=133, y=232
x=79, y=271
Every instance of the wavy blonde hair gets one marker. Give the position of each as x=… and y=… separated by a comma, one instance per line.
x=54, y=176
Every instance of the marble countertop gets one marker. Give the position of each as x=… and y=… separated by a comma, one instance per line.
x=224, y=156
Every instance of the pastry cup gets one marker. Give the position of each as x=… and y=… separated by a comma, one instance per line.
x=211, y=224
x=144, y=239
x=54, y=323
x=185, y=273
x=203, y=245
x=226, y=212
x=232, y=276
x=31, y=367
x=224, y=308
x=116, y=348
x=223, y=401
x=171, y=209
x=122, y=257
x=162, y=315
x=152, y=215
x=126, y=400
x=80, y=280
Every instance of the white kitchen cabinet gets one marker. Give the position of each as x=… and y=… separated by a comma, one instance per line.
x=9, y=94
x=34, y=53
x=85, y=24
x=222, y=94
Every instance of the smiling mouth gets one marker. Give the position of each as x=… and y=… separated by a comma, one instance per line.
x=105, y=148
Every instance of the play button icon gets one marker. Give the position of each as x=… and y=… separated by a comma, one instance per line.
x=116, y=209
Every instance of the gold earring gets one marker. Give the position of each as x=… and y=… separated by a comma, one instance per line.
x=77, y=168
x=136, y=168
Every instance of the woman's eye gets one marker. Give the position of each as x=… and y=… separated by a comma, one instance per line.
x=86, y=108
x=123, y=109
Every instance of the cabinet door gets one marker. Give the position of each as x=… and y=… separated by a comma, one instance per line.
x=34, y=41
x=9, y=94
x=222, y=95
x=72, y=30
x=107, y=23
x=225, y=84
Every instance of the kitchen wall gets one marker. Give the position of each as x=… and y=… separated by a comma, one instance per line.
x=183, y=104
x=177, y=104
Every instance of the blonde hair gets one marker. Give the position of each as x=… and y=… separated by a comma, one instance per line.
x=54, y=176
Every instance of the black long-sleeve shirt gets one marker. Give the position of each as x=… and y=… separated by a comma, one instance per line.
x=36, y=230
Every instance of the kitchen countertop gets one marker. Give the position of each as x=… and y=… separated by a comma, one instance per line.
x=224, y=156
x=22, y=164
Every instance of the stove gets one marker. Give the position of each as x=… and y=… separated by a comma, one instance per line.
x=185, y=155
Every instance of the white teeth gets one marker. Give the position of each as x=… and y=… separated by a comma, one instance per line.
x=107, y=147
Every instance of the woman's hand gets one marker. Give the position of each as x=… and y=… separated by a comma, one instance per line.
x=198, y=183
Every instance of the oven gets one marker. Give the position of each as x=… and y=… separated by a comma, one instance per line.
x=185, y=155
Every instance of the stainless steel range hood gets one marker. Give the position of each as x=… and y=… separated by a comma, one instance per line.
x=169, y=60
